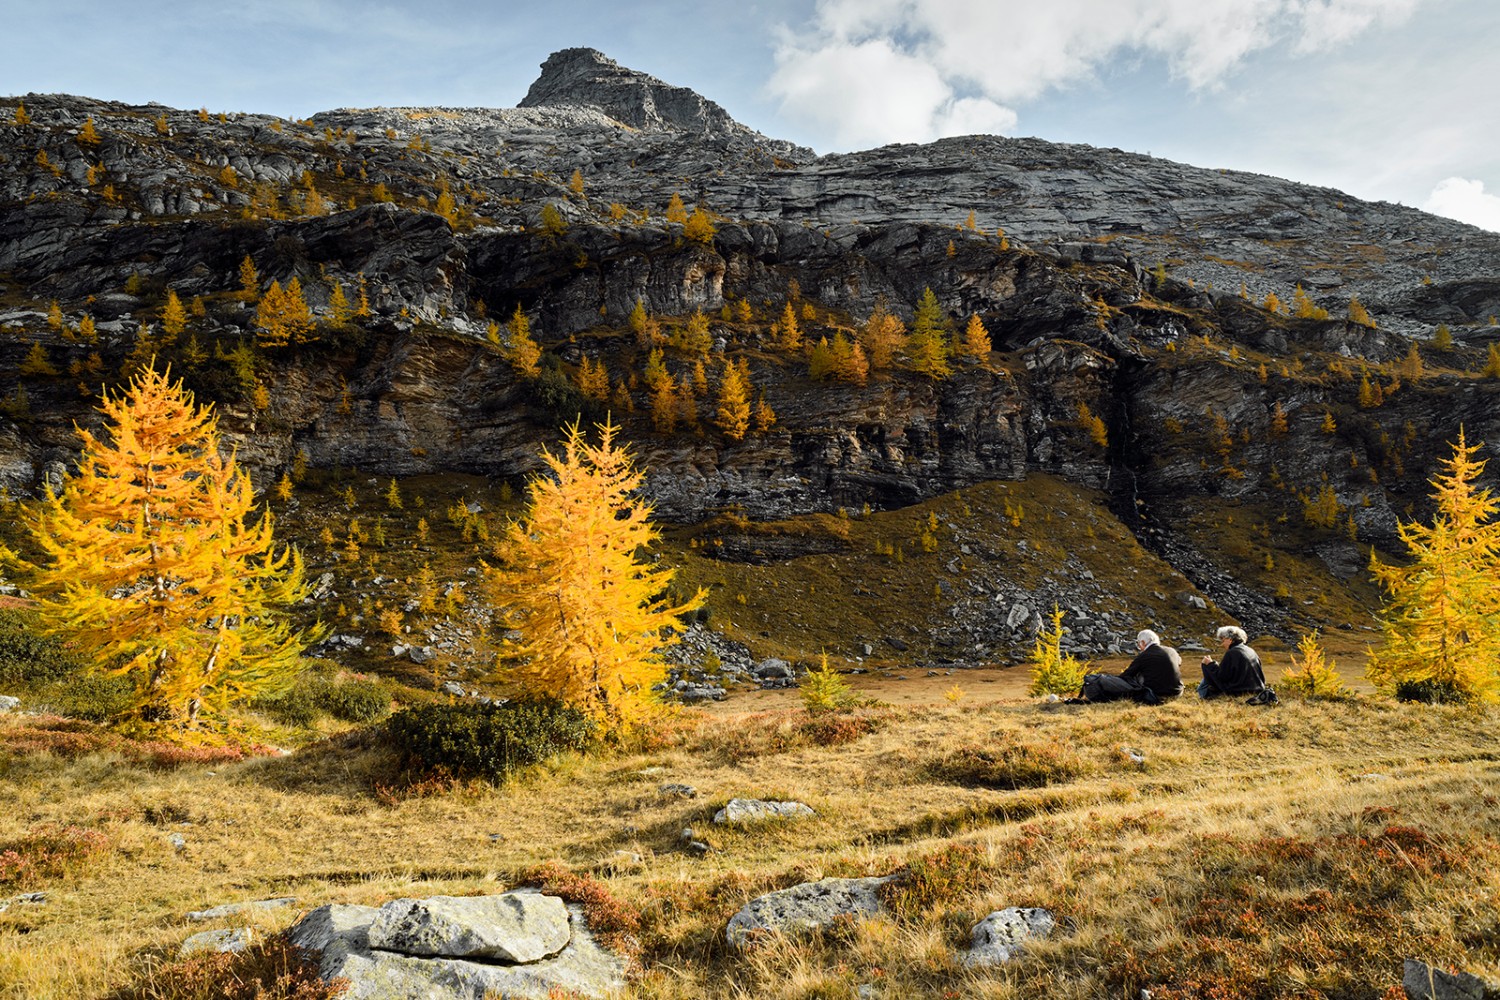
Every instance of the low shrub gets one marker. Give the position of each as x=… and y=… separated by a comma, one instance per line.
x=1016, y=765
x=487, y=741
x=824, y=689
x=272, y=970
x=616, y=922
x=1431, y=693
x=349, y=700
x=356, y=700
x=26, y=655
x=48, y=852
x=93, y=697
x=932, y=880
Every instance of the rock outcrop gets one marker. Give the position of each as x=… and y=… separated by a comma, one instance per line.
x=805, y=908
x=518, y=944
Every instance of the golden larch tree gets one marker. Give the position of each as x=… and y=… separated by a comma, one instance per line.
x=152, y=567
x=927, y=348
x=574, y=584
x=699, y=227
x=976, y=340
x=676, y=210
x=173, y=315
x=525, y=354
x=785, y=333
x=1441, y=622
x=733, y=414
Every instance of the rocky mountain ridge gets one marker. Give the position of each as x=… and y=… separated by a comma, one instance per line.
x=1121, y=286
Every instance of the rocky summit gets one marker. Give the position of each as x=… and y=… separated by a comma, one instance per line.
x=1188, y=342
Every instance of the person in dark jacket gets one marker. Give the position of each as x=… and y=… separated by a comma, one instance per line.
x=1237, y=672
x=1155, y=666
x=1154, y=674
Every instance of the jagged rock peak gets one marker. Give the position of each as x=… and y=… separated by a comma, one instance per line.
x=588, y=78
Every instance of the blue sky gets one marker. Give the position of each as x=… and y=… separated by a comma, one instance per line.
x=1385, y=99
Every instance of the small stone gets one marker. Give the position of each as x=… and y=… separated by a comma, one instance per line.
x=753, y=810
x=1133, y=755
x=225, y=939
x=673, y=789
x=9, y=703
x=177, y=840
x=999, y=937
x=1423, y=982
x=230, y=909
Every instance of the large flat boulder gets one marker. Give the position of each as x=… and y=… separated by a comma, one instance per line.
x=804, y=908
x=515, y=927
x=341, y=934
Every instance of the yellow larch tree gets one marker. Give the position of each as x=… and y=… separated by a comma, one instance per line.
x=1441, y=621
x=282, y=316
x=173, y=315
x=785, y=333
x=975, y=342
x=733, y=414
x=676, y=210
x=593, y=379
x=881, y=336
x=249, y=280
x=699, y=227
x=88, y=135
x=927, y=348
x=152, y=567
x=525, y=354
x=849, y=363
x=574, y=583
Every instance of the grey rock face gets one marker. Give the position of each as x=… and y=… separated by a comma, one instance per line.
x=517, y=927
x=810, y=906
x=1000, y=937
x=756, y=810
x=341, y=934
x=1423, y=982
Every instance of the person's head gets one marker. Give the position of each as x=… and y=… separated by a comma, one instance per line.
x=1145, y=637
x=1230, y=634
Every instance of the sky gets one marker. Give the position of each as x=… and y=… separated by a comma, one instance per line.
x=1394, y=100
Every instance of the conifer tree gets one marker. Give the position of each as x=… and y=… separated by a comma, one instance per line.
x=733, y=414
x=1441, y=622
x=55, y=316
x=173, y=315
x=21, y=117
x=655, y=373
x=699, y=228
x=820, y=360
x=785, y=333
x=87, y=135
x=694, y=338
x=1442, y=338
x=282, y=315
x=339, y=310
x=575, y=183
x=574, y=582
x=849, y=361
x=36, y=362
x=553, y=223
x=1492, y=363
x=524, y=352
x=676, y=210
x=1358, y=314
x=393, y=499
x=765, y=417
x=881, y=336
x=976, y=340
x=1278, y=420
x=663, y=402
x=249, y=280
x=593, y=379
x=152, y=568
x=927, y=348
x=1273, y=304
x=87, y=331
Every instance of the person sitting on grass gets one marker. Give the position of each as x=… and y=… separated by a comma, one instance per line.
x=1238, y=672
x=1154, y=674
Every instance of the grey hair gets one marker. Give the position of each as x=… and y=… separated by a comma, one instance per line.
x=1231, y=632
x=1147, y=637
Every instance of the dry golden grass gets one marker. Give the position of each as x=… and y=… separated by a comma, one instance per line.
x=1315, y=844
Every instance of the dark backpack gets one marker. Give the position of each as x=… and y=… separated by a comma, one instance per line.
x=1265, y=696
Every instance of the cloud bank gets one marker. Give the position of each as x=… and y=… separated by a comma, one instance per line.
x=868, y=72
x=1466, y=201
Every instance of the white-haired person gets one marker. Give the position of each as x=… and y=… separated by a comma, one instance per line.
x=1237, y=671
x=1155, y=674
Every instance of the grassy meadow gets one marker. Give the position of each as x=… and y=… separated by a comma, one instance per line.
x=1302, y=850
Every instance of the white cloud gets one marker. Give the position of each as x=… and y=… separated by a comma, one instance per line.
x=869, y=71
x=1466, y=201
